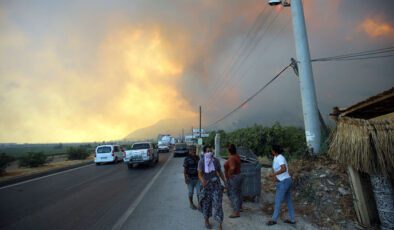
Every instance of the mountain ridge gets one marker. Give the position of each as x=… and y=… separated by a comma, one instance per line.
x=170, y=126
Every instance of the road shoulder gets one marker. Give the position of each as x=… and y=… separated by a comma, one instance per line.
x=11, y=177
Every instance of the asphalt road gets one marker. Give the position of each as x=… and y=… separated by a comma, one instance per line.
x=91, y=197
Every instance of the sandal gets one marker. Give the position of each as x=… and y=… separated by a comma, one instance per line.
x=289, y=222
x=234, y=216
x=208, y=226
x=271, y=222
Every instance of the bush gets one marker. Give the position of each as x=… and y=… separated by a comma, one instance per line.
x=5, y=161
x=33, y=159
x=259, y=139
x=58, y=146
x=79, y=153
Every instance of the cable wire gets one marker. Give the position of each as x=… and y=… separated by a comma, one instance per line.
x=226, y=73
x=358, y=54
x=355, y=58
x=258, y=23
x=250, y=98
x=236, y=67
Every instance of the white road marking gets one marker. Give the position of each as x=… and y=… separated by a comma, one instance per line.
x=119, y=224
x=39, y=178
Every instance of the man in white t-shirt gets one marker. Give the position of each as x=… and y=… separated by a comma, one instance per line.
x=283, y=182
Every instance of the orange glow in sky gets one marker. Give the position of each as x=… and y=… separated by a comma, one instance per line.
x=375, y=27
x=132, y=85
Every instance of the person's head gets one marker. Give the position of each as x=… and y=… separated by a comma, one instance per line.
x=275, y=150
x=207, y=149
x=231, y=149
x=192, y=150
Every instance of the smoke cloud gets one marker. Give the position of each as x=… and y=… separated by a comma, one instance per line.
x=75, y=71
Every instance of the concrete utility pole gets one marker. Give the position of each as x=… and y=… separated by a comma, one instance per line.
x=217, y=144
x=200, y=123
x=307, y=85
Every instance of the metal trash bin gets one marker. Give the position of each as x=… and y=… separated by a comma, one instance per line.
x=251, y=170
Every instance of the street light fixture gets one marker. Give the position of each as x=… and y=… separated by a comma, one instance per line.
x=277, y=2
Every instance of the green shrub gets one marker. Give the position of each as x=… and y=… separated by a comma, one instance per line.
x=5, y=161
x=80, y=153
x=33, y=159
x=58, y=146
x=259, y=139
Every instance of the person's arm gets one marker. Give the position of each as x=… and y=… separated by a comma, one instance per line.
x=185, y=175
x=281, y=170
x=201, y=178
x=222, y=176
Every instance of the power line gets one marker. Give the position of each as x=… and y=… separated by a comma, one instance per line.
x=258, y=23
x=351, y=56
x=250, y=98
x=246, y=48
x=357, y=54
x=236, y=67
x=356, y=58
x=389, y=49
x=267, y=45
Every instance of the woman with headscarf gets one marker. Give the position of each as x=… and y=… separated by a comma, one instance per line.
x=232, y=171
x=212, y=190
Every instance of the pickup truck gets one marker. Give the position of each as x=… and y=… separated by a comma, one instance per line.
x=141, y=153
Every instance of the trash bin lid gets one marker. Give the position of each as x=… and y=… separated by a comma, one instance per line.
x=247, y=154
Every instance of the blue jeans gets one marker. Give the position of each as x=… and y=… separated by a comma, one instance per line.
x=283, y=193
x=193, y=183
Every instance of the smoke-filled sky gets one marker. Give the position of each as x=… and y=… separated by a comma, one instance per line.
x=73, y=71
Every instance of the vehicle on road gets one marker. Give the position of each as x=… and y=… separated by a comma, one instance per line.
x=163, y=147
x=108, y=153
x=181, y=150
x=141, y=153
x=191, y=140
x=164, y=143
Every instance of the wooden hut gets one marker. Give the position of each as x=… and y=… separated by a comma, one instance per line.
x=363, y=140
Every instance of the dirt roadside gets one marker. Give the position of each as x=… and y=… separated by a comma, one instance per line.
x=18, y=174
x=320, y=194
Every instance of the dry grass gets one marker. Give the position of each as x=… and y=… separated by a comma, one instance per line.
x=366, y=145
x=14, y=173
x=264, y=160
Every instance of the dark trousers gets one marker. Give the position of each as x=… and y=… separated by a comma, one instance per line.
x=211, y=197
x=235, y=191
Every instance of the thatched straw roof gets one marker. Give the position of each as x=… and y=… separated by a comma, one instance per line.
x=380, y=104
x=366, y=145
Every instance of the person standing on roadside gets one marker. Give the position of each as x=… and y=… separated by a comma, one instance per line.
x=232, y=171
x=283, y=182
x=212, y=190
x=191, y=176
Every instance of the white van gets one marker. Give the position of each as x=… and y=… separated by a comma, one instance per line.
x=108, y=153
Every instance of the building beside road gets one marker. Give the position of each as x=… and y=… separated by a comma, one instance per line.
x=363, y=140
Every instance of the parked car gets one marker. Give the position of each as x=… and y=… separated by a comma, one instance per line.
x=181, y=150
x=141, y=153
x=108, y=153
